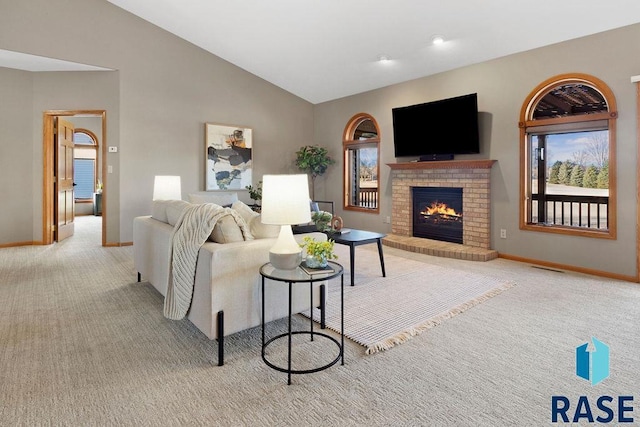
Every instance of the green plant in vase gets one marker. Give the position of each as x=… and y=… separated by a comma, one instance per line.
x=255, y=193
x=313, y=160
x=322, y=220
x=318, y=253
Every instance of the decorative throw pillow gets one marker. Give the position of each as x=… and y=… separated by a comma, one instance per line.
x=174, y=210
x=263, y=231
x=254, y=220
x=227, y=230
x=222, y=199
x=159, y=210
x=245, y=212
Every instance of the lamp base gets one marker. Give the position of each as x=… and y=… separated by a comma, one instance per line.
x=286, y=253
x=285, y=261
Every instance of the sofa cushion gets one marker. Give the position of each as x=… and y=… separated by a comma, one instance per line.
x=167, y=211
x=254, y=220
x=222, y=199
x=174, y=210
x=245, y=212
x=227, y=230
x=263, y=231
x=159, y=210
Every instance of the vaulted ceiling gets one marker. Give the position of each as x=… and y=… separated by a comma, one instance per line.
x=326, y=49
x=322, y=50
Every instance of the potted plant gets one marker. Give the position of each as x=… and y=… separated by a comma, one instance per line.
x=322, y=220
x=318, y=253
x=255, y=193
x=314, y=160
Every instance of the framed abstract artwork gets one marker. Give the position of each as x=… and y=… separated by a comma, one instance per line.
x=228, y=157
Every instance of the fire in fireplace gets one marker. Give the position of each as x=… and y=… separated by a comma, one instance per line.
x=437, y=213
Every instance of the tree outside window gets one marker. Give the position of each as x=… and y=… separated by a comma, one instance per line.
x=568, y=137
x=361, y=143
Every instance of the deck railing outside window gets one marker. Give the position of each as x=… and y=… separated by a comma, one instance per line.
x=368, y=197
x=576, y=211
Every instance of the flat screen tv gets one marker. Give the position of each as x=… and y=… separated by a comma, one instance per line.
x=437, y=130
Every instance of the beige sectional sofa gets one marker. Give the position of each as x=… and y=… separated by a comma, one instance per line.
x=227, y=289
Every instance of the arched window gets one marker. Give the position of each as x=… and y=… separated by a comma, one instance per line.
x=85, y=154
x=567, y=154
x=361, y=145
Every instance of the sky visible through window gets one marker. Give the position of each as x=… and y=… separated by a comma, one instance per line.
x=576, y=146
x=368, y=165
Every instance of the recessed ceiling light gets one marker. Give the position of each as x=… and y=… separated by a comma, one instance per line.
x=437, y=39
x=384, y=58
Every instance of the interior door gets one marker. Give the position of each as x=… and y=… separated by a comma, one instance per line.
x=63, y=183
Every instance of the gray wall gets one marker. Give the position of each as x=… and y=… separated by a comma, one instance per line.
x=93, y=90
x=502, y=86
x=157, y=102
x=164, y=90
x=16, y=153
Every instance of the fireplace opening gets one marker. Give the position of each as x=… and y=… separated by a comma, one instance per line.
x=437, y=213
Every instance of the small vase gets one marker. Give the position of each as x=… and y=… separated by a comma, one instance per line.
x=316, y=262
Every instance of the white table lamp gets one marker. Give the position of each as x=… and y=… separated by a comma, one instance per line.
x=285, y=201
x=167, y=188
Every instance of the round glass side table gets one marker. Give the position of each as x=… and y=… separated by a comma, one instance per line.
x=295, y=278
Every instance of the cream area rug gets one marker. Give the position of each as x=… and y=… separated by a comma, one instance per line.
x=382, y=312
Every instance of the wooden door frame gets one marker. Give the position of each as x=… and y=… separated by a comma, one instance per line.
x=48, y=170
x=636, y=81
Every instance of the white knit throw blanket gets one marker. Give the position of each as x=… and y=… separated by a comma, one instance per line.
x=193, y=228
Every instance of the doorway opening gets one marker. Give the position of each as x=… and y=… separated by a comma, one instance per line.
x=58, y=203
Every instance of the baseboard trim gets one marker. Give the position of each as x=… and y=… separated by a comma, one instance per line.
x=117, y=244
x=16, y=244
x=34, y=243
x=583, y=270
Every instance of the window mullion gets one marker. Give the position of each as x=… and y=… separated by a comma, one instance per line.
x=542, y=179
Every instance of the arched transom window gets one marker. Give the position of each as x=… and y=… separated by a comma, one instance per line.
x=361, y=144
x=567, y=143
x=85, y=155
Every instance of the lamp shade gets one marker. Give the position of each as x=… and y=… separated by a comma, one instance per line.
x=167, y=188
x=285, y=199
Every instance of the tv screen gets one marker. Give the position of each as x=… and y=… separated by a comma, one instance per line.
x=444, y=127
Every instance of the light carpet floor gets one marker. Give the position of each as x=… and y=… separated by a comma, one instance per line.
x=382, y=312
x=83, y=344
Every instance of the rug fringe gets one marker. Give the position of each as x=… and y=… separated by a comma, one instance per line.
x=406, y=335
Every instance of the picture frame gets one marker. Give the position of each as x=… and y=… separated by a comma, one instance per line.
x=228, y=157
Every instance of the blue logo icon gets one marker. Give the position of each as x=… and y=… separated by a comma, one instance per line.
x=592, y=363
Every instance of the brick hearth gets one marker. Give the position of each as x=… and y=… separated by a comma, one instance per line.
x=473, y=176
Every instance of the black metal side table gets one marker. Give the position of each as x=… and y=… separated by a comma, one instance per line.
x=267, y=271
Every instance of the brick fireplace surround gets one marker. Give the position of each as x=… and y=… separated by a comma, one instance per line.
x=474, y=177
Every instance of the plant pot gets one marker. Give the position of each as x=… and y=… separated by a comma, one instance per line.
x=315, y=262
